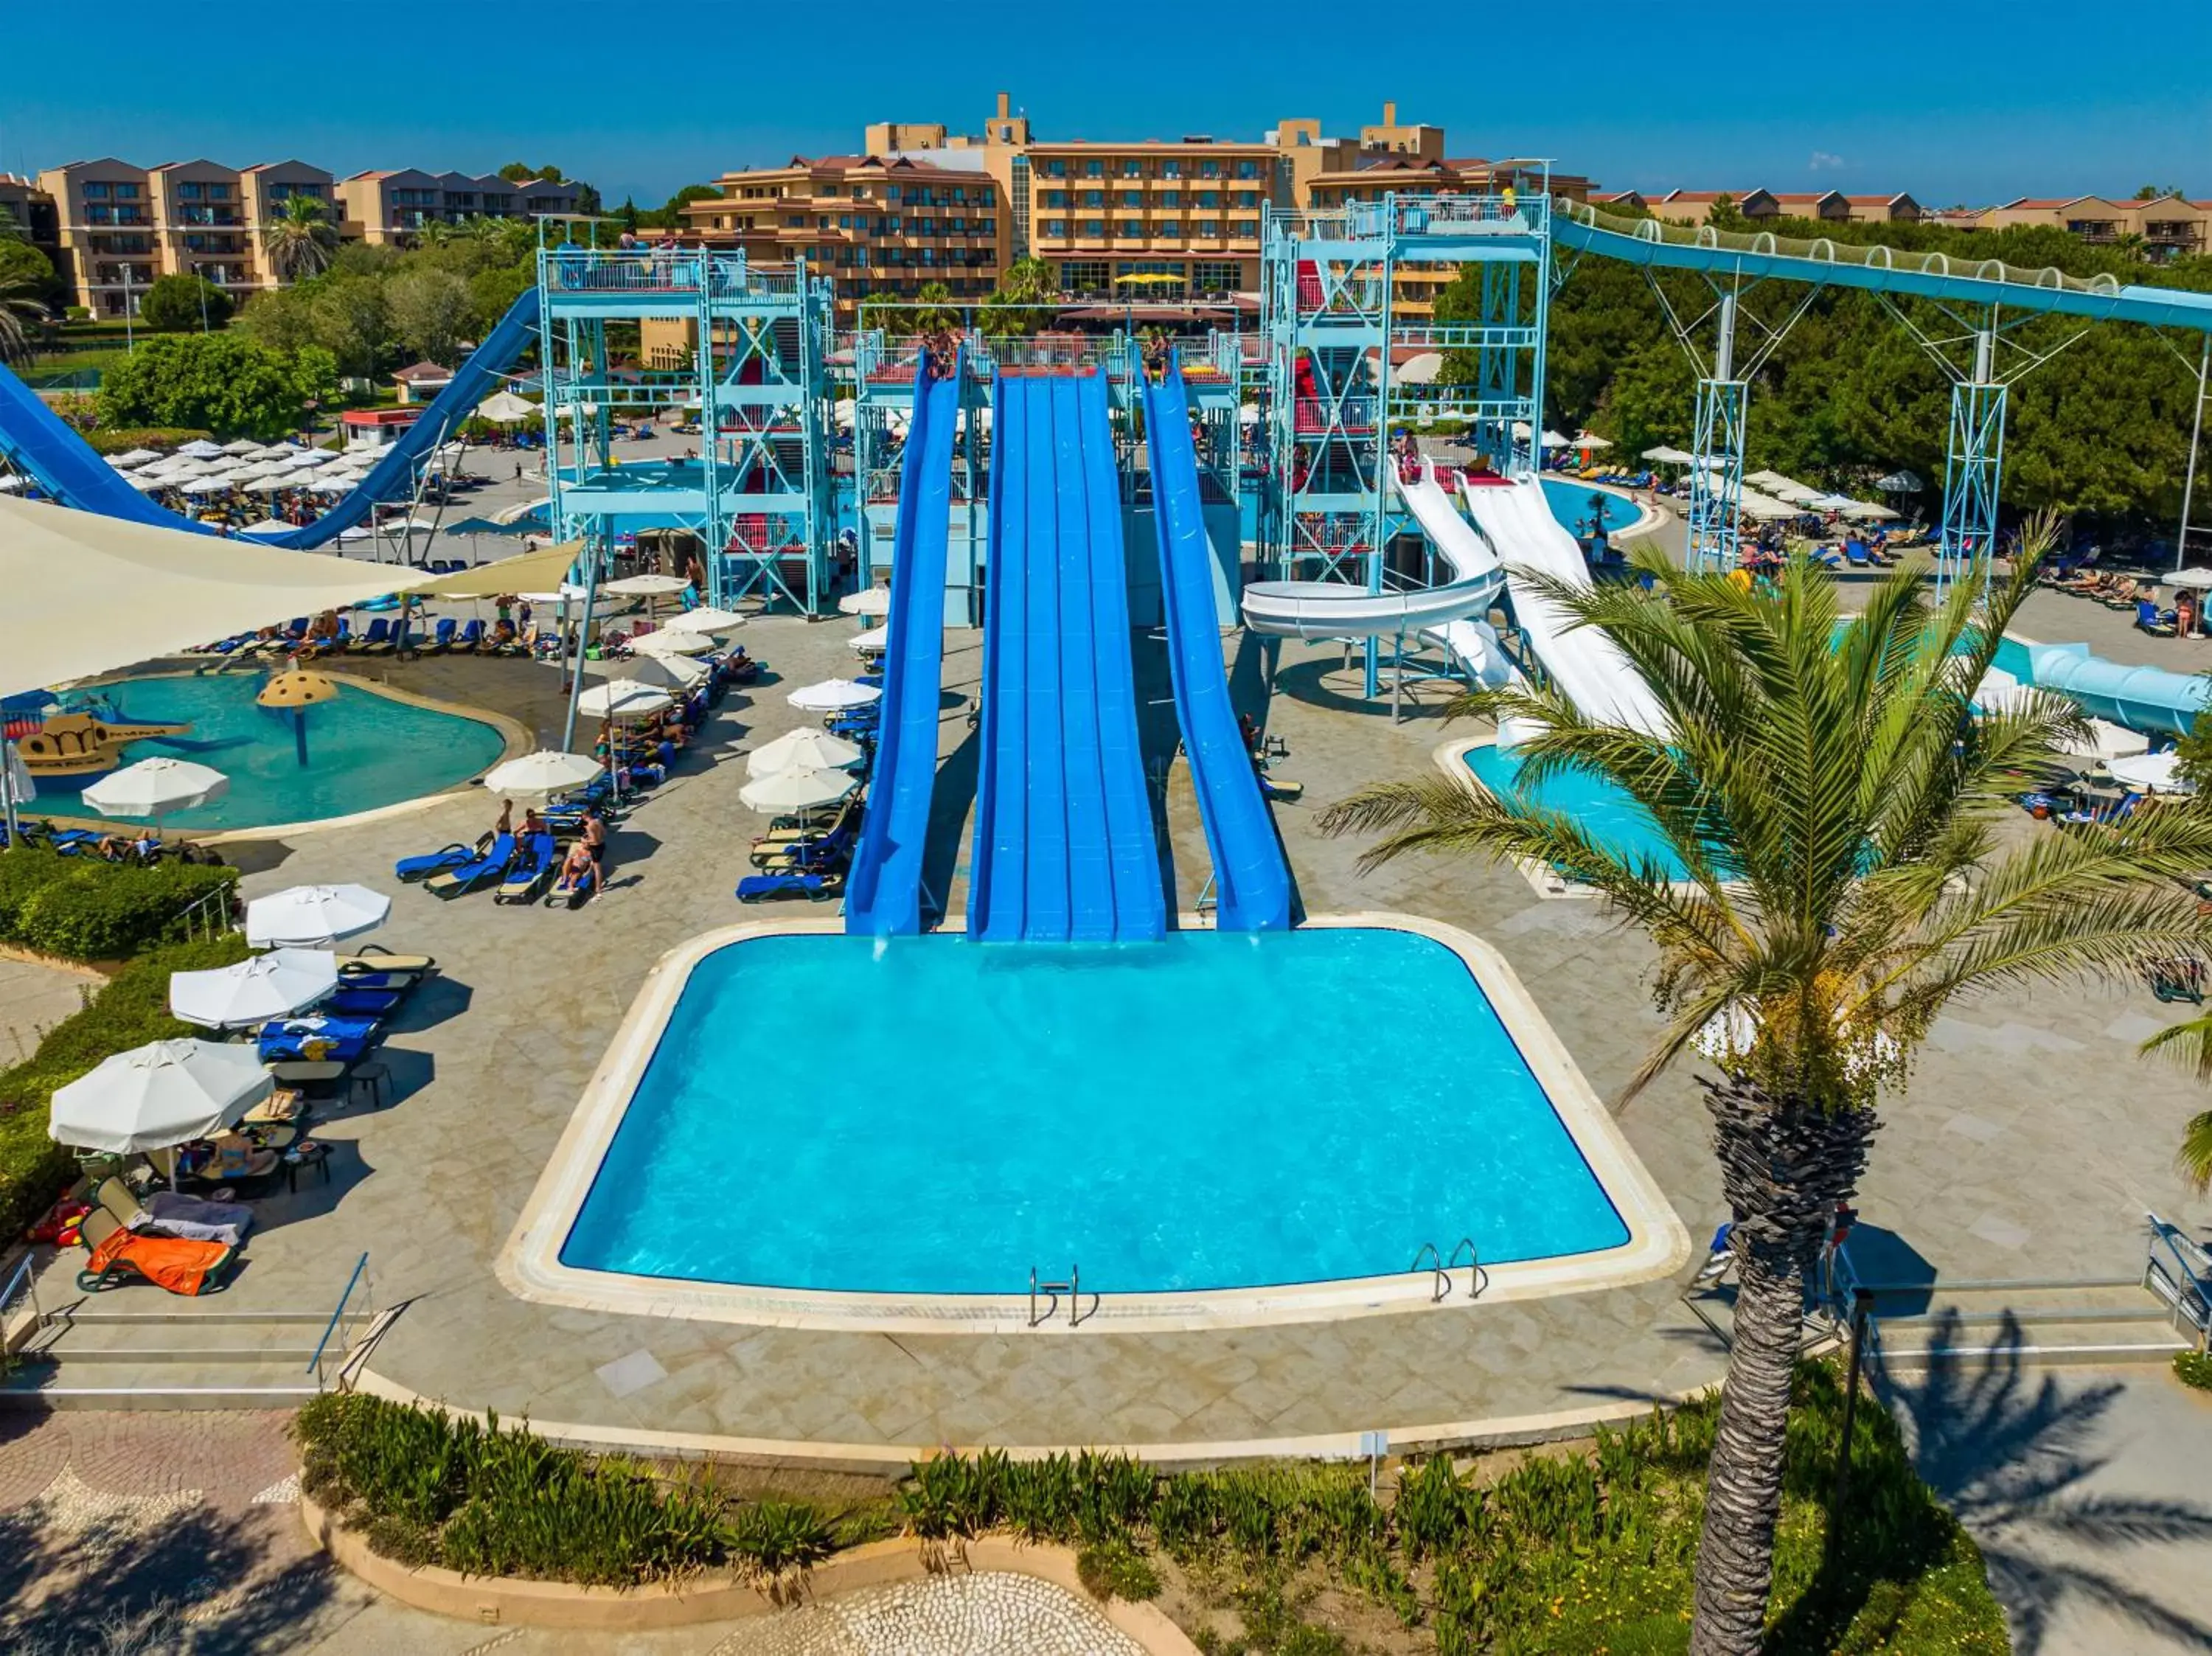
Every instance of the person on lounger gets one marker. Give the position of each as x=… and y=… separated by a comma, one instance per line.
x=580, y=875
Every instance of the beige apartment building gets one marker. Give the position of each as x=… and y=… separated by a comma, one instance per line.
x=1119, y=221
x=393, y=206
x=2166, y=227
x=1828, y=206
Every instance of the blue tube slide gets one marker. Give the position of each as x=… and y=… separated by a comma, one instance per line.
x=1251, y=881
x=1064, y=849
x=885, y=895
x=34, y=440
x=2152, y=700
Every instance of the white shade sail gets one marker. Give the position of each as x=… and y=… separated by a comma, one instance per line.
x=272, y=986
x=303, y=914
x=804, y=750
x=833, y=695
x=154, y=787
x=166, y=1093
x=798, y=789
x=546, y=771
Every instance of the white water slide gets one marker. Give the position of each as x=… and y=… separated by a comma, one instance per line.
x=1449, y=615
x=1586, y=664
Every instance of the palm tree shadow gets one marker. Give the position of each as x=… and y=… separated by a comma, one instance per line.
x=2009, y=1453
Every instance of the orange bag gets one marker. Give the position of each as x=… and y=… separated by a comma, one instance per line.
x=169, y=1262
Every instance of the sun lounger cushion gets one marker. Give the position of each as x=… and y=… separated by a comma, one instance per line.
x=171, y=1213
x=181, y=1267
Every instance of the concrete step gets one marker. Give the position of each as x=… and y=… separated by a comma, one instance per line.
x=43, y=1383
x=97, y=1356
x=2032, y=1334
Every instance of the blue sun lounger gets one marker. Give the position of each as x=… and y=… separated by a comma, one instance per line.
x=766, y=887
x=352, y=1001
x=441, y=639
x=378, y=638
x=453, y=882
x=471, y=638
x=532, y=867
x=456, y=855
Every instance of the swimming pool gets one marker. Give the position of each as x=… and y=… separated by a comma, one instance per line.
x=823, y=1115
x=1607, y=814
x=1572, y=501
x=365, y=750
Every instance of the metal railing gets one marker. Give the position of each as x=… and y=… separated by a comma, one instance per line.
x=338, y=1314
x=1515, y=213
x=1441, y=1267
x=1052, y=1292
x=1821, y=250
x=207, y=916
x=23, y=1283
x=584, y=271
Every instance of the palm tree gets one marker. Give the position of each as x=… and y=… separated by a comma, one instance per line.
x=2191, y=1044
x=1834, y=804
x=299, y=240
x=21, y=310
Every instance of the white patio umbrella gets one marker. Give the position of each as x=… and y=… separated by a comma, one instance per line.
x=672, y=641
x=546, y=771
x=272, y=986
x=11, y=484
x=137, y=457
x=166, y=1093
x=1555, y=439
x=1666, y=455
x=871, y=601
x=707, y=619
x=241, y=447
x=269, y=526
x=207, y=486
x=1592, y=440
x=2198, y=578
x=315, y=456
x=803, y=750
x=200, y=449
x=875, y=638
x=304, y=915
x=154, y=787
x=2151, y=773
x=1419, y=369
x=669, y=671
x=1869, y=512
x=1899, y=482
x=646, y=586
x=2106, y=741
x=798, y=789
x=622, y=698
x=504, y=408
x=833, y=695
x=138, y=480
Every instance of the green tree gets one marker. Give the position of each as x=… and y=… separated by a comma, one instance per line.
x=225, y=382
x=1024, y=302
x=627, y=215
x=354, y=323
x=1834, y=810
x=23, y=263
x=299, y=240
x=21, y=310
x=492, y=294
x=431, y=310
x=282, y=318
x=671, y=215
x=178, y=303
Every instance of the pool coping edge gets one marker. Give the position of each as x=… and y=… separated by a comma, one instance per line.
x=528, y=1264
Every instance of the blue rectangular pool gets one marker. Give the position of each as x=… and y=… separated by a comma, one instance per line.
x=936, y=1116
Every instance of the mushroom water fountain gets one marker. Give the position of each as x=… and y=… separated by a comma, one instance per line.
x=299, y=691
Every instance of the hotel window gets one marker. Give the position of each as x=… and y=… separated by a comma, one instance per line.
x=126, y=193
x=1248, y=197
x=1094, y=227
x=1094, y=199
x=1133, y=168
x=1248, y=169
x=1055, y=227
x=1209, y=169
x=1055, y=168
x=1093, y=169
x=1171, y=198
x=1055, y=197
x=1210, y=229
x=1214, y=276
x=1245, y=228
x=95, y=192
x=1082, y=275
x=218, y=193
x=1131, y=230
x=189, y=192
x=1130, y=198
x=1209, y=198
x=1171, y=169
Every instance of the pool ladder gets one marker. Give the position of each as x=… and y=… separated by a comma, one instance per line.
x=1441, y=1268
x=1073, y=1289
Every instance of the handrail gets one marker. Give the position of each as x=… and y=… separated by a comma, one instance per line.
x=1478, y=1278
x=25, y=1276
x=315, y=1363
x=1072, y=1288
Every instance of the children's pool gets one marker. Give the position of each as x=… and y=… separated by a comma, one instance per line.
x=365, y=750
x=936, y=1116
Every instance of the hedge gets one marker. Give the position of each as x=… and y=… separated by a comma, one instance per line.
x=122, y=441
x=85, y=909
x=1588, y=1549
x=133, y=1009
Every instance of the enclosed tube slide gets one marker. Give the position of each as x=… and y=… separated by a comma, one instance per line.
x=1251, y=881
x=1587, y=665
x=1064, y=849
x=37, y=442
x=885, y=891
x=2148, y=699
x=1448, y=614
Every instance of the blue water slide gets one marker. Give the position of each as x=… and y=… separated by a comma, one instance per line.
x=1251, y=881
x=36, y=441
x=885, y=895
x=1955, y=280
x=1064, y=848
x=2148, y=699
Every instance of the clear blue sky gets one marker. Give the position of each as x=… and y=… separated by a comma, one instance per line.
x=1950, y=100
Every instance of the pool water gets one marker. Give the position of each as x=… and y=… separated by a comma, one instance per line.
x=1573, y=502
x=1607, y=814
x=935, y=1115
x=364, y=750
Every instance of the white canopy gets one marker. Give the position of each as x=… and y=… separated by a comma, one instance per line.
x=833, y=695
x=1592, y=440
x=2151, y=773
x=546, y=771
x=870, y=601
x=622, y=698
x=1555, y=439
x=503, y=408
x=803, y=750
x=275, y=485
x=154, y=787
x=798, y=789
x=303, y=914
x=272, y=986
x=2106, y=741
x=144, y=482
x=168, y=1092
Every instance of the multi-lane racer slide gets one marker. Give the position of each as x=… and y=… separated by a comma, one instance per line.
x=36, y=442
x=1450, y=614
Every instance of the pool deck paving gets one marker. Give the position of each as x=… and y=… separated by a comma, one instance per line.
x=2030, y=1141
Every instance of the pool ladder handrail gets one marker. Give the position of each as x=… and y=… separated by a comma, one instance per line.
x=1072, y=1288
x=1441, y=1287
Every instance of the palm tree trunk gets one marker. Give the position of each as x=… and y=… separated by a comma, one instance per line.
x=1784, y=1166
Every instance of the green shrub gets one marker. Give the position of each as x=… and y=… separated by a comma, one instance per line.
x=131, y=1009
x=122, y=440
x=1115, y=1569
x=773, y=1538
x=82, y=908
x=2193, y=1368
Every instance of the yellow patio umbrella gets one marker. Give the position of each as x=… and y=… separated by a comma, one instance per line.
x=298, y=691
